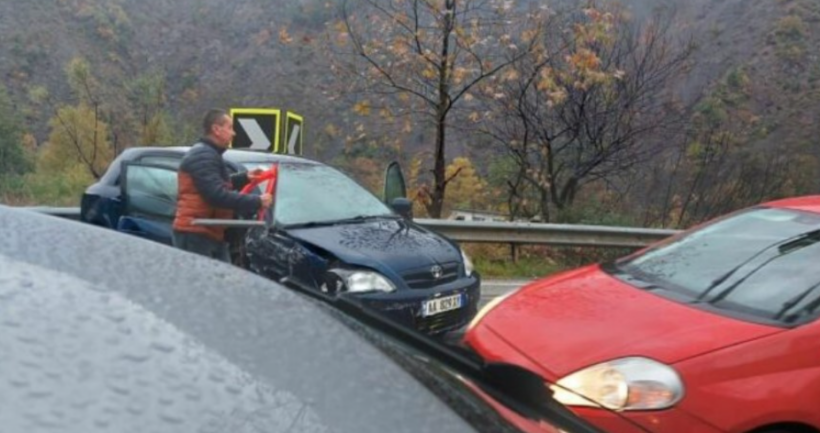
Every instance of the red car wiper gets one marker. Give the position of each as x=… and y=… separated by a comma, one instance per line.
x=784, y=247
x=791, y=303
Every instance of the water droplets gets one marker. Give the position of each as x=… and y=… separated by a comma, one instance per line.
x=171, y=418
x=19, y=382
x=120, y=389
x=39, y=394
x=136, y=357
x=162, y=347
x=7, y=292
x=11, y=323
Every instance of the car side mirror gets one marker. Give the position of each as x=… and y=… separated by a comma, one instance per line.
x=403, y=207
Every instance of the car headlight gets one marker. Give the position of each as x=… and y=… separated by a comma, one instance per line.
x=468, y=264
x=623, y=384
x=361, y=281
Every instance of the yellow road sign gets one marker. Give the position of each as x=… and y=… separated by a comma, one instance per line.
x=256, y=129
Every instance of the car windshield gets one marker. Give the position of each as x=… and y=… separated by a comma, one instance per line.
x=315, y=193
x=759, y=263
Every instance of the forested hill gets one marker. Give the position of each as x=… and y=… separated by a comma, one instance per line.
x=153, y=66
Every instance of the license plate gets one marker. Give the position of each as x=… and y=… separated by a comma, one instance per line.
x=440, y=305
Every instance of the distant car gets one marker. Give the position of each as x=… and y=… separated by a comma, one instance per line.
x=107, y=333
x=712, y=330
x=330, y=234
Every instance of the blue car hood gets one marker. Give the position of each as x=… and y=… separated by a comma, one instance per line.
x=397, y=244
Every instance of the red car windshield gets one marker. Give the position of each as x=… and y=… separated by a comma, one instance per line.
x=760, y=264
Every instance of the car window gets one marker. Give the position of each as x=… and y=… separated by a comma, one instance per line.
x=151, y=190
x=760, y=262
x=162, y=160
x=262, y=166
x=317, y=193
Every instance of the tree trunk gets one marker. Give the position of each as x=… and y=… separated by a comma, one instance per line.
x=439, y=168
x=439, y=172
x=545, y=205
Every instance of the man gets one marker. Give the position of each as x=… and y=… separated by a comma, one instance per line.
x=207, y=191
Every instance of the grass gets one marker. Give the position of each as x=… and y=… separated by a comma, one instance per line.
x=524, y=268
x=494, y=261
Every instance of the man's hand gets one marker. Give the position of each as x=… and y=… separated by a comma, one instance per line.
x=255, y=174
x=267, y=200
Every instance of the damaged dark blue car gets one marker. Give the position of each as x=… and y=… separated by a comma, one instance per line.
x=328, y=234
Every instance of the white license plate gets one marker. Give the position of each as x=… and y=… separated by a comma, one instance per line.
x=440, y=305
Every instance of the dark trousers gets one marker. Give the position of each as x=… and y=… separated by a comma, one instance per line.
x=201, y=244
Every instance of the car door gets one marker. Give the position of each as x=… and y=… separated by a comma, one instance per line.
x=149, y=194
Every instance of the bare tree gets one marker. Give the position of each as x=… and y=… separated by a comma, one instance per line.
x=587, y=107
x=422, y=58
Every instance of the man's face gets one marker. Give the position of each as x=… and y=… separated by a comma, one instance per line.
x=223, y=132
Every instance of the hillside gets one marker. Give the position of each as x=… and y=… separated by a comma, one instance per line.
x=211, y=53
x=755, y=73
x=218, y=54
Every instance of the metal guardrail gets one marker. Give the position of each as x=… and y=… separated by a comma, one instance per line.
x=496, y=232
x=546, y=234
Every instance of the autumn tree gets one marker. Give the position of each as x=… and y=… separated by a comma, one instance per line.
x=105, y=120
x=148, y=99
x=414, y=62
x=467, y=190
x=78, y=138
x=79, y=133
x=723, y=164
x=14, y=162
x=508, y=178
x=587, y=106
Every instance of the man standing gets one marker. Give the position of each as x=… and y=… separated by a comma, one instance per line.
x=207, y=191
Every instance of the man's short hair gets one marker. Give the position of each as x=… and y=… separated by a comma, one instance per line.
x=212, y=117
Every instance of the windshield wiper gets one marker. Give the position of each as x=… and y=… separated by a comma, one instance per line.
x=784, y=247
x=353, y=220
x=362, y=218
x=516, y=387
x=788, y=305
x=310, y=224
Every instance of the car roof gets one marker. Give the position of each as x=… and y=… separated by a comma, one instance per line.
x=235, y=155
x=809, y=203
x=102, y=331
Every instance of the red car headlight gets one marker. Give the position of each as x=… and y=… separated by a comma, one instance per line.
x=623, y=384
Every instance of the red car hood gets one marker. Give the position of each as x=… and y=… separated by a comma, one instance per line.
x=585, y=317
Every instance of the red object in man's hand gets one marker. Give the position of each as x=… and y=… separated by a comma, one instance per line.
x=258, y=176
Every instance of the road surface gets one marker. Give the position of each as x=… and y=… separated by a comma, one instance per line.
x=492, y=288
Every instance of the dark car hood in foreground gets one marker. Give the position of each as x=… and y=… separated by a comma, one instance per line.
x=105, y=332
x=396, y=243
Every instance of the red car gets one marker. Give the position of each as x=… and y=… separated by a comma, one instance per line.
x=712, y=330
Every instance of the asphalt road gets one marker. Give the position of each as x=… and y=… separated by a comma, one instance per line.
x=492, y=288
